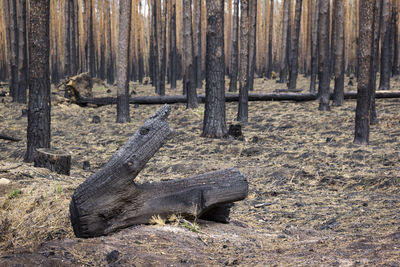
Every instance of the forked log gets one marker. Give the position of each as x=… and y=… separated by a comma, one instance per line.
x=110, y=200
x=288, y=96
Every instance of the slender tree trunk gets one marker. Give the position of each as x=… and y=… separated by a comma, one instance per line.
x=155, y=56
x=13, y=49
x=110, y=59
x=74, y=37
x=252, y=42
x=333, y=40
x=173, y=55
x=38, y=132
x=6, y=12
x=123, y=57
x=189, y=78
x=295, y=47
x=90, y=45
x=244, y=62
x=314, y=44
x=323, y=46
x=284, y=44
x=139, y=41
x=361, y=135
x=270, y=36
x=375, y=59
x=338, y=91
x=20, y=96
x=386, y=53
x=163, y=49
x=233, y=70
x=197, y=42
x=214, y=124
x=67, y=34
x=395, y=38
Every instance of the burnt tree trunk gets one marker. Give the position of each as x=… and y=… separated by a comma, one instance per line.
x=123, y=57
x=314, y=45
x=13, y=48
x=339, y=52
x=163, y=49
x=252, y=42
x=361, y=134
x=57, y=161
x=395, y=38
x=189, y=75
x=284, y=44
x=375, y=59
x=172, y=47
x=323, y=46
x=295, y=47
x=20, y=95
x=233, y=70
x=110, y=200
x=38, y=132
x=214, y=125
x=197, y=42
x=90, y=41
x=243, y=109
x=386, y=53
x=67, y=38
x=110, y=59
x=270, y=36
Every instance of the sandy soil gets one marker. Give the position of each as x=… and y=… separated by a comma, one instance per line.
x=315, y=199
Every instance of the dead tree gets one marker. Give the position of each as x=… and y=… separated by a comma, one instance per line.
x=361, y=133
x=285, y=41
x=22, y=86
x=233, y=69
x=314, y=45
x=252, y=42
x=339, y=52
x=197, y=42
x=386, y=47
x=270, y=36
x=110, y=200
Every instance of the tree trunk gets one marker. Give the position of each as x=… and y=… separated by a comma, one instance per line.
x=197, y=42
x=233, y=70
x=252, y=42
x=74, y=37
x=386, y=53
x=155, y=62
x=38, y=132
x=189, y=76
x=13, y=49
x=123, y=57
x=323, y=46
x=270, y=36
x=173, y=55
x=139, y=41
x=314, y=44
x=361, y=135
x=244, y=62
x=339, y=52
x=67, y=40
x=110, y=59
x=295, y=47
x=214, y=124
x=90, y=40
x=375, y=59
x=163, y=49
x=284, y=44
x=395, y=38
x=109, y=200
x=20, y=95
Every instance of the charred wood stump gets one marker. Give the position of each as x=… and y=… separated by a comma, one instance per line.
x=110, y=200
x=59, y=162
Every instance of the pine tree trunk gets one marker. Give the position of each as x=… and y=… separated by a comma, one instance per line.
x=252, y=42
x=20, y=96
x=233, y=69
x=67, y=35
x=386, y=54
x=163, y=49
x=395, y=64
x=270, y=36
x=74, y=37
x=244, y=62
x=338, y=91
x=189, y=76
x=284, y=44
x=173, y=55
x=13, y=49
x=295, y=47
x=123, y=65
x=361, y=135
x=314, y=45
x=110, y=60
x=38, y=132
x=154, y=48
x=90, y=42
x=323, y=46
x=214, y=124
x=197, y=42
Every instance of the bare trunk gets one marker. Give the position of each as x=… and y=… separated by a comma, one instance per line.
x=244, y=63
x=314, y=44
x=13, y=49
x=163, y=48
x=295, y=47
x=252, y=42
x=173, y=55
x=20, y=95
x=197, y=42
x=384, y=82
x=339, y=52
x=284, y=44
x=67, y=40
x=270, y=36
x=233, y=70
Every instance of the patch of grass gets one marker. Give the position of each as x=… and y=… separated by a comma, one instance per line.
x=14, y=194
x=157, y=220
x=194, y=227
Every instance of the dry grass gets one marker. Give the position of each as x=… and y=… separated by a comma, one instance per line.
x=314, y=197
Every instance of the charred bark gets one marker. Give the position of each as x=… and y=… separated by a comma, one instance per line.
x=314, y=45
x=386, y=47
x=20, y=95
x=270, y=36
x=295, y=47
x=233, y=70
x=339, y=51
x=252, y=42
x=284, y=64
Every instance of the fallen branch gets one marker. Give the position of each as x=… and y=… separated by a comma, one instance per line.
x=110, y=200
x=9, y=138
x=157, y=100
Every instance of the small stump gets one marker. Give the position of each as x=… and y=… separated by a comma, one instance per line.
x=56, y=161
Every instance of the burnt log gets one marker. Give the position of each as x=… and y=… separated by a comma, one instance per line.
x=9, y=138
x=110, y=200
x=174, y=99
x=56, y=161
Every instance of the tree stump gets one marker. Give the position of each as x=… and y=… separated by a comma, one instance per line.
x=110, y=200
x=56, y=161
x=79, y=86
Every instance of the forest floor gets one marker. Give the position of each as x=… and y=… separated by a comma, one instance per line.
x=315, y=199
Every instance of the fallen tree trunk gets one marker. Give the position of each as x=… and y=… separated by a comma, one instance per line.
x=110, y=200
x=158, y=100
x=9, y=138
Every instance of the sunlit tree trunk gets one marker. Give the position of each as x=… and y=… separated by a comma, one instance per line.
x=233, y=70
x=323, y=46
x=339, y=51
x=284, y=43
x=244, y=62
x=295, y=47
x=20, y=95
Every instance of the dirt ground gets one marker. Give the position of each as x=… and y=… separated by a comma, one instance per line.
x=315, y=199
